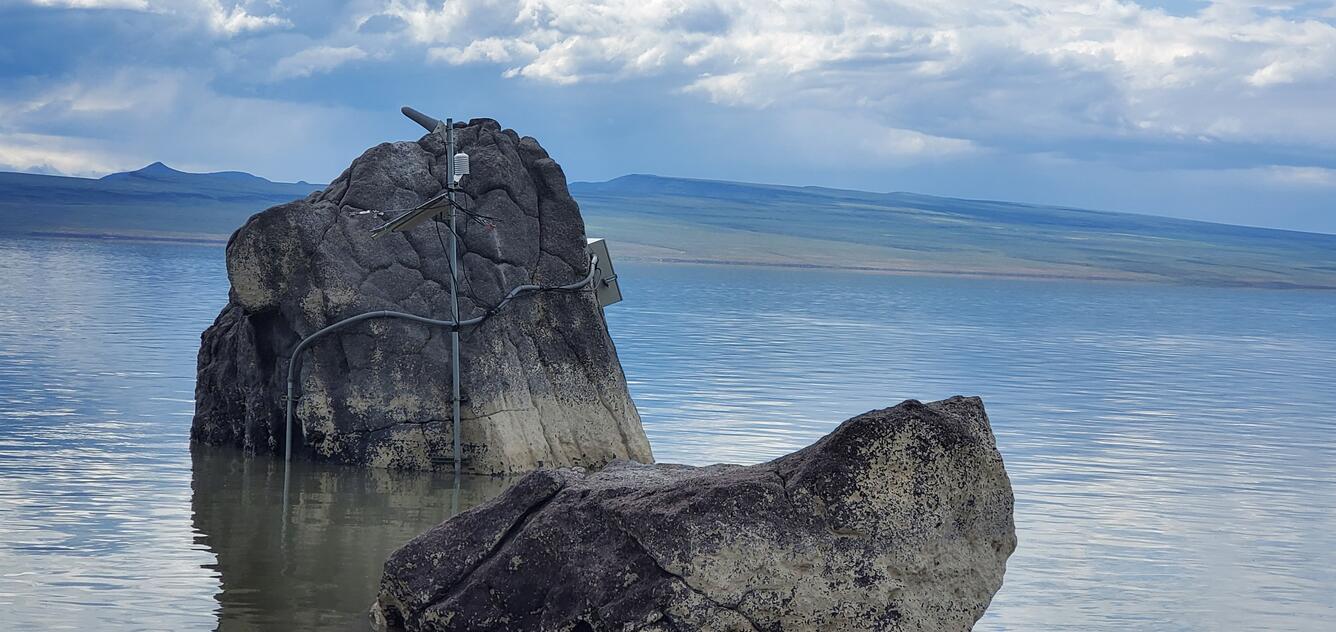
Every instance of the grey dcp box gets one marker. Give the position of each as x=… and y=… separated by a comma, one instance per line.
x=605, y=278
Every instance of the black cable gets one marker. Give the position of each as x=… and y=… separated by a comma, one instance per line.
x=468, y=287
x=489, y=310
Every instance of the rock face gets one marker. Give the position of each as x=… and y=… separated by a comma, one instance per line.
x=541, y=384
x=900, y=519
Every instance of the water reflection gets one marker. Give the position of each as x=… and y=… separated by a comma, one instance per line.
x=1173, y=450
x=317, y=569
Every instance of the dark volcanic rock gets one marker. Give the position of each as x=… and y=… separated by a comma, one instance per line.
x=541, y=382
x=900, y=519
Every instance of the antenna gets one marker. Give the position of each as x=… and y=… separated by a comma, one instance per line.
x=425, y=121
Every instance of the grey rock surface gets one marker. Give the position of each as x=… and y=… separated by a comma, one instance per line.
x=541, y=383
x=899, y=519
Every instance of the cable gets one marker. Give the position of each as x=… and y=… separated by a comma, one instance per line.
x=307, y=341
x=463, y=278
x=444, y=197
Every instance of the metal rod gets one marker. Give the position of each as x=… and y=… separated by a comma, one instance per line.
x=454, y=289
x=287, y=439
x=287, y=472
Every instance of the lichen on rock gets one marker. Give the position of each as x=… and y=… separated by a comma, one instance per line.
x=899, y=519
x=541, y=382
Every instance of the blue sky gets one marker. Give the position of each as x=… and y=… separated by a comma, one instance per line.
x=1224, y=111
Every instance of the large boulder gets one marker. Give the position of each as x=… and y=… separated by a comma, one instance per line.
x=900, y=519
x=541, y=384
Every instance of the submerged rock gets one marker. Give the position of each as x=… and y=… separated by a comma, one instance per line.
x=900, y=519
x=541, y=384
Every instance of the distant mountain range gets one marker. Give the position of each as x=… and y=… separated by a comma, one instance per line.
x=703, y=221
x=674, y=219
x=154, y=202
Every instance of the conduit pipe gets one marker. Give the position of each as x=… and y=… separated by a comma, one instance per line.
x=453, y=325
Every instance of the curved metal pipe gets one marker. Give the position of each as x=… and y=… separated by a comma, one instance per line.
x=454, y=325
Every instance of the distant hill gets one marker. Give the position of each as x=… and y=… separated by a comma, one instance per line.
x=705, y=221
x=676, y=219
x=156, y=201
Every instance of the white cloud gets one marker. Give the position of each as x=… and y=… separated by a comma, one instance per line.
x=89, y=99
x=138, y=115
x=1301, y=176
x=905, y=143
x=236, y=19
x=882, y=82
x=59, y=155
x=492, y=49
x=225, y=19
x=138, y=5
x=316, y=60
x=1046, y=71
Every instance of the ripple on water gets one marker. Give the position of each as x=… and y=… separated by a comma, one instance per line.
x=1172, y=449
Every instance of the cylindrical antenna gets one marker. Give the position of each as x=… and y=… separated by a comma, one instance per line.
x=425, y=121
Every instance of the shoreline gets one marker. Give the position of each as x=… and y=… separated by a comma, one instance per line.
x=221, y=240
x=206, y=239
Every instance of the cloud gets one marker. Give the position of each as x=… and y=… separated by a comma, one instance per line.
x=492, y=50
x=138, y=5
x=90, y=99
x=235, y=19
x=93, y=125
x=1301, y=176
x=902, y=143
x=848, y=92
x=1048, y=76
x=227, y=20
x=1044, y=71
x=319, y=59
x=40, y=153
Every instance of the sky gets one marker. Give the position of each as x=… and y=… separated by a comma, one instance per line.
x=1221, y=111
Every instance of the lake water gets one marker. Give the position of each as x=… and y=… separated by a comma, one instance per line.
x=1173, y=450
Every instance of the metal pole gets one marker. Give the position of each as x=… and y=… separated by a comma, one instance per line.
x=454, y=291
x=287, y=436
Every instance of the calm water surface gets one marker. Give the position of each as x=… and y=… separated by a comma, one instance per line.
x=1173, y=450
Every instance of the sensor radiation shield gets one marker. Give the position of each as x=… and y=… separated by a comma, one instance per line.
x=461, y=162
